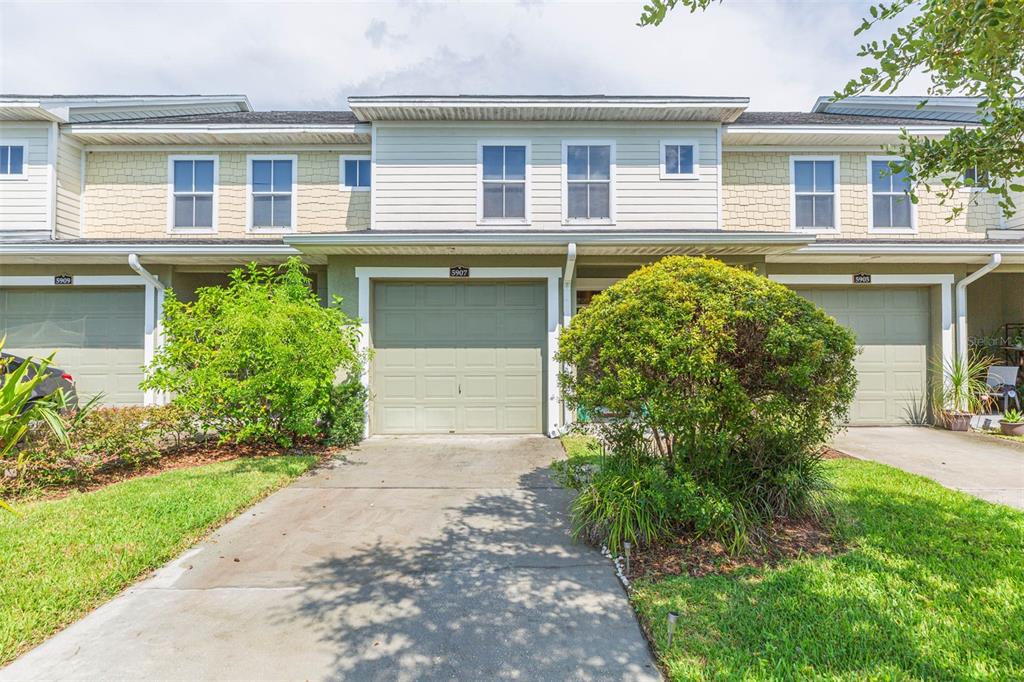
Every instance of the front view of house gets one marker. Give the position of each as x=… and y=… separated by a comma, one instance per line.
x=466, y=231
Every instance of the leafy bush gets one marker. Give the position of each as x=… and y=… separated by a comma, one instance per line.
x=346, y=414
x=256, y=360
x=716, y=375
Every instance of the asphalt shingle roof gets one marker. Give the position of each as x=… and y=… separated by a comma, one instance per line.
x=800, y=118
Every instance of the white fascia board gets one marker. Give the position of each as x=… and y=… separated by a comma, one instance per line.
x=183, y=249
x=221, y=129
x=564, y=237
x=825, y=248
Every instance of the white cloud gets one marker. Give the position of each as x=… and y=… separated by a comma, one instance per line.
x=313, y=55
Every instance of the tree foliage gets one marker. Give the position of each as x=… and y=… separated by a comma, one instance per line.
x=972, y=48
x=735, y=381
x=256, y=360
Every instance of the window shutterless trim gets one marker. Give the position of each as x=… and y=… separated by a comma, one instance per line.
x=249, y=158
x=665, y=175
x=23, y=175
x=341, y=172
x=835, y=194
x=871, y=201
x=974, y=189
x=527, y=183
x=171, y=229
x=610, y=220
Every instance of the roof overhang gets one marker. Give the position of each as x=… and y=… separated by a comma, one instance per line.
x=588, y=242
x=21, y=110
x=141, y=133
x=68, y=252
x=963, y=109
x=827, y=251
x=826, y=135
x=526, y=108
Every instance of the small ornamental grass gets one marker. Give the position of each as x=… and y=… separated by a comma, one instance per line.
x=714, y=385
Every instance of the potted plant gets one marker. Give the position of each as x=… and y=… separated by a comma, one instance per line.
x=1012, y=423
x=960, y=394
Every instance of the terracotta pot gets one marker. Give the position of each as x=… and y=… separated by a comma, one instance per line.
x=1012, y=428
x=958, y=421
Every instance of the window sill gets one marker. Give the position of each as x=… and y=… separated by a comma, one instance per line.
x=270, y=230
x=814, y=230
x=583, y=221
x=485, y=222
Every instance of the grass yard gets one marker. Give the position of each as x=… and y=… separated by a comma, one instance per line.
x=62, y=558
x=931, y=588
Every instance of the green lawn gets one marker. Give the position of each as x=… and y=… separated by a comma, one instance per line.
x=62, y=558
x=933, y=588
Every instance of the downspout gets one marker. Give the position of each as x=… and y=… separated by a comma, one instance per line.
x=153, y=332
x=567, y=275
x=961, y=304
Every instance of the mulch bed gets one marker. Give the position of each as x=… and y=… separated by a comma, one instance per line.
x=829, y=453
x=787, y=539
x=187, y=456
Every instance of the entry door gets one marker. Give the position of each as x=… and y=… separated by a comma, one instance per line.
x=458, y=357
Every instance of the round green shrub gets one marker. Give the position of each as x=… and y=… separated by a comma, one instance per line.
x=719, y=374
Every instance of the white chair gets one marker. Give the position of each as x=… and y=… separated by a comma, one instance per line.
x=1002, y=384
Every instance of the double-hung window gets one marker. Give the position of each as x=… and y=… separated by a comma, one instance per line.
x=12, y=161
x=891, y=209
x=679, y=160
x=193, y=179
x=272, y=183
x=589, y=171
x=975, y=179
x=503, y=182
x=355, y=173
x=815, y=197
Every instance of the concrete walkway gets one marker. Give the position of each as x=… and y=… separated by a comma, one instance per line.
x=419, y=558
x=975, y=464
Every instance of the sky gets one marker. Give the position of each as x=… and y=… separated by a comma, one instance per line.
x=312, y=55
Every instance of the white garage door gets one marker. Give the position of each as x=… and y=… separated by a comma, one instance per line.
x=96, y=331
x=892, y=328
x=458, y=357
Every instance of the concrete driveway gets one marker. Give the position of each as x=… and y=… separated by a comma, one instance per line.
x=982, y=466
x=418, y=558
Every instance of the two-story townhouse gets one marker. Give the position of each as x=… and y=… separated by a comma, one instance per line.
x=465, y=231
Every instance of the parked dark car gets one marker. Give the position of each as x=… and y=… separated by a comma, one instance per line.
x=55, y=378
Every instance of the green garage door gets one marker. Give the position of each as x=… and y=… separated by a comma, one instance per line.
x=96, y=331
x=892, y=328
x=458, y=357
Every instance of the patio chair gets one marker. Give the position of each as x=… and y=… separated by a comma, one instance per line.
x=1002, y=384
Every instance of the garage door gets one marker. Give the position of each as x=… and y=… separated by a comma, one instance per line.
x=458, y=357
x=96, y=331
x=892, y=328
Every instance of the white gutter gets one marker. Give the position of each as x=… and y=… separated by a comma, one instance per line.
x=961, y=303
x=567, y=275
x=154, y=327
x=538, y=238
x=181, y=249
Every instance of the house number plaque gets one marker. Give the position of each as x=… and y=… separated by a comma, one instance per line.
x=63, y=280
x=862, y=278
x=458, y=271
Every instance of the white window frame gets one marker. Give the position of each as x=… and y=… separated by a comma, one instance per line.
x=527, y=183
x=294, y=158
x=341, y=172
x=24, y=144
x=665, y=175
x=610, y=220
x=976, y=188
x=171, y=229
x=871, y=202
x=835, y=229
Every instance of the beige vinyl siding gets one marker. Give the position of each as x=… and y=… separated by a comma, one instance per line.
x=126, y=193
x=25, y=203
x=69, y=188
x=756, y=190
x=426, y=175
x=1016, y=221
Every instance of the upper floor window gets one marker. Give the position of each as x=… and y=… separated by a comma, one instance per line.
x=192, y=192
x=12, y=161
x=815, y=200
x=588, y=179
x=679, y=160
x=272, y=192
x=975, y=178
x=503, y=181
x=890, y=207
x=355, y=172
